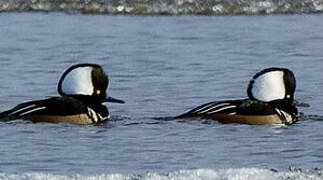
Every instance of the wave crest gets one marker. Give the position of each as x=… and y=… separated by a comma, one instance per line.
x=197, y=174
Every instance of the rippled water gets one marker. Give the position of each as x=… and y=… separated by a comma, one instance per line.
x=161, y=66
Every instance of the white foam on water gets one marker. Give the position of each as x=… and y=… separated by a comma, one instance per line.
x=233, y=174
x=47, y=176
x=197, y=174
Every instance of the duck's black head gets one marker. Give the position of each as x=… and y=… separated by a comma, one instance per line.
x=273, y=84
x=87, y=82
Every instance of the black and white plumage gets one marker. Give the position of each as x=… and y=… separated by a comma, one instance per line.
x=83, y=89
x=272, y=84
x=271, y=97
x=58, y=109
x=88, y=82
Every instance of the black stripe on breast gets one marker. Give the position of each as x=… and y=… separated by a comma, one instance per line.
x=285, y=117
x=95, y=116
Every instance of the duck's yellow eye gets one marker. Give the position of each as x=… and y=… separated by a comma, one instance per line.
x=288, y=96
x=98, y=92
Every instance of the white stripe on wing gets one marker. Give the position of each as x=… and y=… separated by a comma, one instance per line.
x=22, y=109
x=32, y=110
x=221, y=109
x=210, y=107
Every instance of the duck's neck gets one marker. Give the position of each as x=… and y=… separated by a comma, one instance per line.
x=285, y=105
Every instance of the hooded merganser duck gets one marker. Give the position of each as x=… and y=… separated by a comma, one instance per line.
x=83, y=90
x=271, y=101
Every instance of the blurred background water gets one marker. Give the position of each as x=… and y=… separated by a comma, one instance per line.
x=166, y=7
x=161, y=66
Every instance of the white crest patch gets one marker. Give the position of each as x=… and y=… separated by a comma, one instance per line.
x=269, y=86
x=78, y=82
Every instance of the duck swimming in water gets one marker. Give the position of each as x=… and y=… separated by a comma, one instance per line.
x=271, y=101
x=83, y=91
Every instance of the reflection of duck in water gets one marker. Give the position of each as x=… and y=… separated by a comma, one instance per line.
x=271, y=101
x=83, y=89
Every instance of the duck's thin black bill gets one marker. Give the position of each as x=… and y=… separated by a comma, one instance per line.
x=113, y=100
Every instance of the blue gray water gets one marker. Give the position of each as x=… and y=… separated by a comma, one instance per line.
x=161, y=66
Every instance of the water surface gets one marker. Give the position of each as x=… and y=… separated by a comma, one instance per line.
x=161, y=66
